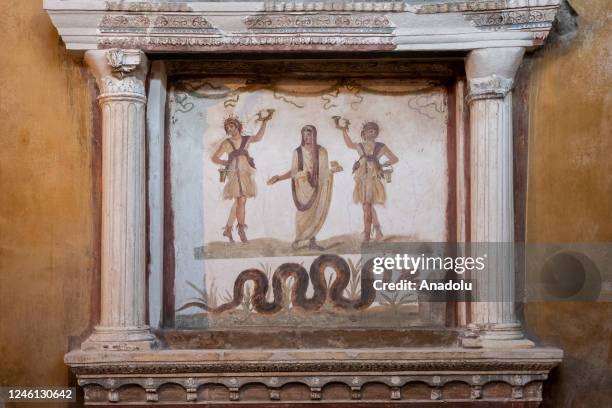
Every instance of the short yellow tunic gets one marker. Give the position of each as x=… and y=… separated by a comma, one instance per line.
x=369, y=187
x=239, y=181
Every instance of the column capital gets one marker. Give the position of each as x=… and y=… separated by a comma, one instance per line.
x=119, y=71
x=490, y=71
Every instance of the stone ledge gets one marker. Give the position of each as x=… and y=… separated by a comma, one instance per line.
x=441, y=356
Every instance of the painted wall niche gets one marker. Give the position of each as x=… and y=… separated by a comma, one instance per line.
x=289, y=182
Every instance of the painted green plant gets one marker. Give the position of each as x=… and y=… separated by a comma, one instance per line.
x=353, y=290
x=396, y=298
x=207, y=297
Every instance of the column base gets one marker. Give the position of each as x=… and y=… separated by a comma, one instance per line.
x=505, y=336
x=137, y=338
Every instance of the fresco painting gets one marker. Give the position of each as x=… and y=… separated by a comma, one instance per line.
x=277, y=187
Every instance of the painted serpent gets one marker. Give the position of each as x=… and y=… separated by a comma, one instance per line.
x=298, y=292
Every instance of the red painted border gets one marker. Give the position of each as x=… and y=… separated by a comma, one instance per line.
x=168, y=300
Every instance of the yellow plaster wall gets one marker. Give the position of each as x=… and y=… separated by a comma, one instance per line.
x=569, y=196
x=47, y=211
x=570, y=166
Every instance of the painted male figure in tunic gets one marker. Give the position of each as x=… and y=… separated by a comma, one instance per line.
x=368, y=174
x=311, y=185
x=239, y=170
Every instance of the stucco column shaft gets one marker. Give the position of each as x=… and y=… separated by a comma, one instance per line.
x=120, y=77
x=490, y=74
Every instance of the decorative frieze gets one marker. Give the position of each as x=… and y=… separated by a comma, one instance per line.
x=171, y=32
x=252, y=42
x=181, y=23
x=513, y=17
x=155, y=23
x=531, y=18
x=319, y=21
x=121, y=22
x=194, y=389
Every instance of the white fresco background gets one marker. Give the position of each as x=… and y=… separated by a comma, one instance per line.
x=412, y=117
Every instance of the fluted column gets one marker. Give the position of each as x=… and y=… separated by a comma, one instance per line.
x=120, y=77
x=490, y=74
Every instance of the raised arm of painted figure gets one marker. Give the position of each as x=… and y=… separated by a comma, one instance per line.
x=392, y=158
x=347, y=139
x=344, y=129
x=262, y=128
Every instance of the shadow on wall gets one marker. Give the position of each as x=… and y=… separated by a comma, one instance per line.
x=565, y=26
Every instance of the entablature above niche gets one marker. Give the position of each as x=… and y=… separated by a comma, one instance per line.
x=247, y=26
